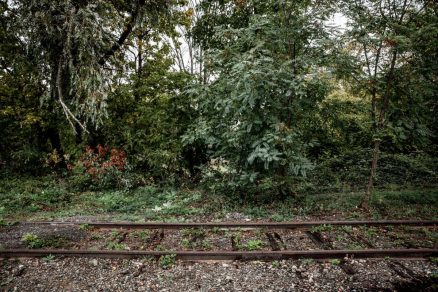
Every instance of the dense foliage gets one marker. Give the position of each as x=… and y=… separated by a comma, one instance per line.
x=250, y=97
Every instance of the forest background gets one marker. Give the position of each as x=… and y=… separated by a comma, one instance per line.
x=249, y=100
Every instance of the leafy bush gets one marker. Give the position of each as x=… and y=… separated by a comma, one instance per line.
x=350, y=171
x=415, y=169
x=253, y=113
x=25, y=160
x=102, y=168
x=248, y=186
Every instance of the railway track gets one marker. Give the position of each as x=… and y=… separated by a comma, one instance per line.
x=324, y=250
x=227, y=255
x=269, y=225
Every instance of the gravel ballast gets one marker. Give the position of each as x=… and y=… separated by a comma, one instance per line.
x=80, y=274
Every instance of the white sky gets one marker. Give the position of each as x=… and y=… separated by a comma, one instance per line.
x=339, y=20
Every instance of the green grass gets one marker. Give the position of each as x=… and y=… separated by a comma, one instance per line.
x=33, y=241
x=49, y=197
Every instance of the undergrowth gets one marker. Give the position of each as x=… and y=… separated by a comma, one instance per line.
x=50, y=197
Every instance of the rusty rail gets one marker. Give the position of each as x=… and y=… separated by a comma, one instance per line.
x=232, y=255
x=226, y=255
x=269, y=225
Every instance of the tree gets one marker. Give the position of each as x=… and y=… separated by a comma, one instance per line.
x=382, y=40
x=265, y=82
x=21, y=117
x=147, y=114
x=75, y=45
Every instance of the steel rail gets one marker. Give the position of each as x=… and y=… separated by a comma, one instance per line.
x=209, y=225
x=225, y=255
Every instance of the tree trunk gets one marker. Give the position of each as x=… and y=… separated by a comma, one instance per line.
x=95, y=137
x=367, y=197
x=78, y=134
x=140, y=56
x=51, y=132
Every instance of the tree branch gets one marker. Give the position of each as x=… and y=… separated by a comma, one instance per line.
x=59, y=76
x=70, y=116
x=126, y=32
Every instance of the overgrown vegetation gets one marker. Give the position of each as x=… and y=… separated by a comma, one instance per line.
x=50, y=198
x=166, y=110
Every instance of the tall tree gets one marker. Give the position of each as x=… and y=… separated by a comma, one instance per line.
x=382, y=39
x=21, y=117
x=74, y=45
x=265, y=82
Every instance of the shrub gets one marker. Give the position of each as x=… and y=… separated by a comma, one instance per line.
x=247, y=186
x=101, y=168
x=350, y=171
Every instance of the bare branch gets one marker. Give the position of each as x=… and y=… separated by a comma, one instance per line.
x=66, y=110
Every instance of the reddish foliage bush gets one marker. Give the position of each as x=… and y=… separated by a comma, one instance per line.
x=100, y=160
